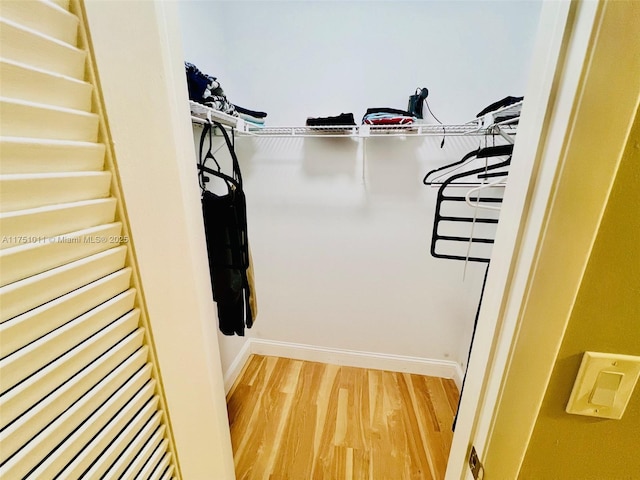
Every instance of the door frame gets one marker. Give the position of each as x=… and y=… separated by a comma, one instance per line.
x=493, y=328
x=530, y=295
x=137, y=47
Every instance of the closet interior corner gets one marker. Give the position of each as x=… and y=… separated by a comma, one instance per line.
x=357, y=154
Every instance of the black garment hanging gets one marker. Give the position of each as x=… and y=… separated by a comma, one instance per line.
x=473, y=337
x=225, y=224
x=492, y=170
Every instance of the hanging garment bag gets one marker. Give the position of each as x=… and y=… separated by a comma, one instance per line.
x=225, y=224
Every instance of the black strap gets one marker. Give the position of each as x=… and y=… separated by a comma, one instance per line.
x=203, y=179
x=232, y=151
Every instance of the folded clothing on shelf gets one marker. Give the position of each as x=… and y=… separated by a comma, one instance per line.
x=253, y=120
x=387, y=116
x=220, y=102
x=505, y=102
x=252, y=113
x=206, y=89
x=198, y=82
x=252, y=116
x=344, y=119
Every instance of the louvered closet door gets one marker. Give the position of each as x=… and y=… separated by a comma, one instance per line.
x=77, y=393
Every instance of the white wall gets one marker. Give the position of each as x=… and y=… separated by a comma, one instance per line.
x=341, y=262
x=341, y=254
x=345, y=264
x=295, y=59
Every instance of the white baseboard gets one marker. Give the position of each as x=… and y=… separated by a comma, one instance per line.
x=350, y=358
x=232, y=373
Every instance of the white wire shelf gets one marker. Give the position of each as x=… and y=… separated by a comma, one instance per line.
x=365, y=131
x=304, y=131
x=203, y=114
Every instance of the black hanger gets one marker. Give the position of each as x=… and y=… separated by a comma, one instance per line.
x=444, y=198
x=464, y=159
x=236, y=180
x=221, y=175
x=486, y=152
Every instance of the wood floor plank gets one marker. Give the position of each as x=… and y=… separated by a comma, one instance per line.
x=433, y=438
x=453, y=396
x=297, y=449
x=257, y=440
x=295, y=420
x=423, y=424
x=380, y=438
x=287, y=388
x=323, y=400
x=325, y=457
x=417, y=453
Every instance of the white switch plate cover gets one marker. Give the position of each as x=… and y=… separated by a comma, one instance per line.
x=592, y=364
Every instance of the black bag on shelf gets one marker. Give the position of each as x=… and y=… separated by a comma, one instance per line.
x=416, y=102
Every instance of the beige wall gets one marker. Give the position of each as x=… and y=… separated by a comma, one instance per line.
x=606, y=318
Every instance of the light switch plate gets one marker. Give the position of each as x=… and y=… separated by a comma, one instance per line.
x=592, y=364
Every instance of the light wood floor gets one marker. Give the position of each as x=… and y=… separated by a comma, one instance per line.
x=301, y=420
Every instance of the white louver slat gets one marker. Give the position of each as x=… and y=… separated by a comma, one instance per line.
x=31, y=292
x=47, y=409
x=98, y=422
x=53, y=220
x=36, y=120
x=161, y=467
x=30, y=47
x=117, y=424
x=23, y=83
x=140, y=439
x=22, y=191
x=29, y=155
x=79, y=396
x=44, y=17
x=45, y=381
x=62, y=3
x=144, y=454
x=31, y=325
x=65, y=424
x=81, y=414
x=115, y=450
x=52, y=406
x=168, y=473
x=20, y=364
x=23, y=261
x=153, y=462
